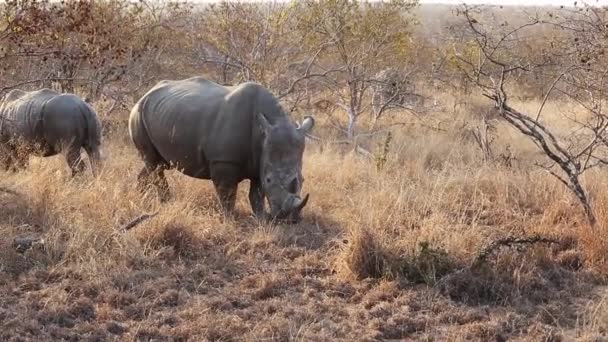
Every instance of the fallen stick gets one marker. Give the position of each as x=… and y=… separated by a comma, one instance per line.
x=23, y=244
x=9, y=191
x=509, y=242
x=136, y=221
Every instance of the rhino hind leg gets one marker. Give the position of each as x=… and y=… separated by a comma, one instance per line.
x=154, y=176
x=47, y=150
x=94, y=159
x=74, y=160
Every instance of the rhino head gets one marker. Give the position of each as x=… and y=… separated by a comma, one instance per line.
x=281, y=166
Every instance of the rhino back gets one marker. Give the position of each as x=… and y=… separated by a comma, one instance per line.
x=66, y=118
x=22, y=116
x=13, y=95
x=193, y=122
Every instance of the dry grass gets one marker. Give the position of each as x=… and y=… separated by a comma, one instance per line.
x=382, y=253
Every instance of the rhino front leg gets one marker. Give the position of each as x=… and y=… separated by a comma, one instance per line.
x=256, y=199
x=225, y=181
x=227, y=195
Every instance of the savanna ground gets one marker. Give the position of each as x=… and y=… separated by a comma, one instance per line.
x=382, y=252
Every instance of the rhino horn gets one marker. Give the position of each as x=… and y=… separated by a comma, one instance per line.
x=307, y=124
x=299, y=204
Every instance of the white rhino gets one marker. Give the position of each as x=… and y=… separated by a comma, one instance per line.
x=45, y=123
x=225, y=134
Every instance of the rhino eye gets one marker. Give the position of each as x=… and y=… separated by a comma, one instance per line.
x=268, y=180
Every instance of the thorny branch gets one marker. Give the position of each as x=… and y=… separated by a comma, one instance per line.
x=511, y=241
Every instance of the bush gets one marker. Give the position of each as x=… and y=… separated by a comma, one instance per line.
x=427, y=265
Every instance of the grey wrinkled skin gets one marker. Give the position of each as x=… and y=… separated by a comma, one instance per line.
x=225, y=134
x=45, y=123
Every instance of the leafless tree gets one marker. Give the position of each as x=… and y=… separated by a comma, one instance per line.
x=393, y=89
x=576, y=67
x=89, y=45
x=354, y=41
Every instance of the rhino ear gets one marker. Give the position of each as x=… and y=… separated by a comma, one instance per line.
x=263, y=122
x=307, y=124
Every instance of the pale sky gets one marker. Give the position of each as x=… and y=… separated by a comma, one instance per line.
x=473, y=2
x=521, y=2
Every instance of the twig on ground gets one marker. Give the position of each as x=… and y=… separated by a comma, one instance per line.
x=136, y=221
x=9, y=191
x=23, y=244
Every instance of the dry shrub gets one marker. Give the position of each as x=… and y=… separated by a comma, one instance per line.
x=83, y=309
x=595, y=318
x=269, y=286
x=15, y=153
x=14, y=263
x=364, y=256
x=177, y=236
x=426, y=265
x=522, y=275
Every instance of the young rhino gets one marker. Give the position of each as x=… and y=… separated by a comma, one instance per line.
x=45, y=123
x=225, y=134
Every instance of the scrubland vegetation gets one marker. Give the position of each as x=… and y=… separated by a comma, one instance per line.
x=456, y=171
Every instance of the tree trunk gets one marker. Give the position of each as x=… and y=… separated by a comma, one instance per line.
x=582, y=197
x=352, y=121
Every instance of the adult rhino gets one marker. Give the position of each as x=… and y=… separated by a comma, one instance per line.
x=226, y=134
x=45, y=123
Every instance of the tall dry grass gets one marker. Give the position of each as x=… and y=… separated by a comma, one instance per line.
x=382, y=253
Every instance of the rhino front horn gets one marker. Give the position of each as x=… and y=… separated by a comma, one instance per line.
x=299, y=203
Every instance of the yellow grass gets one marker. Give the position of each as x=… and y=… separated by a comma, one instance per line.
x=354, y=269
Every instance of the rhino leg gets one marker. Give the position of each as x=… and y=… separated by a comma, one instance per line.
x=74, y=160
x=95, y=159
x=227, y=195
x=256, y=199
x=47, y=150
x=155, y=176
x=225, y=180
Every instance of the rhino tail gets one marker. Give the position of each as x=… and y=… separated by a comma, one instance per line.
x=92, y=143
